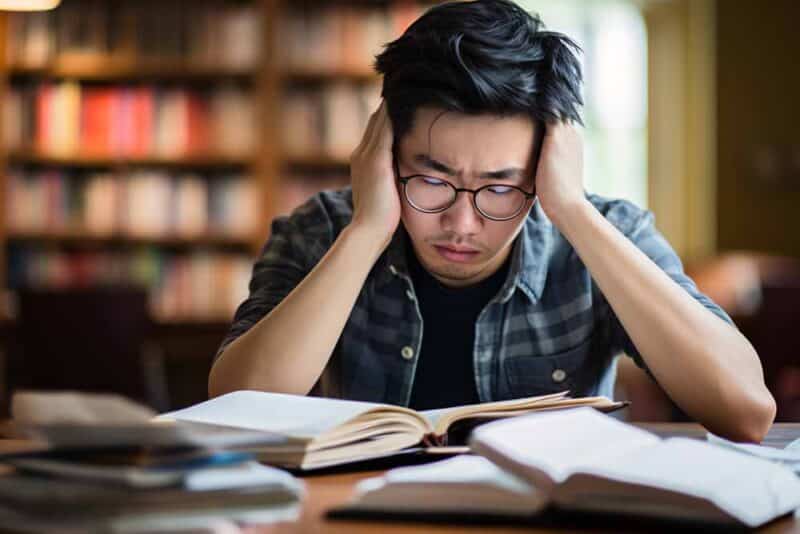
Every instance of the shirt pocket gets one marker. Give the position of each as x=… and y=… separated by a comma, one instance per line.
x=528, y=376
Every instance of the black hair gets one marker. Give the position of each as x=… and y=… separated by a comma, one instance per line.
x=482, y=56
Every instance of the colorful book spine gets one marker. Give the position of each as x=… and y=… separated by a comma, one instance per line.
x=136, y=204
x=71, y=120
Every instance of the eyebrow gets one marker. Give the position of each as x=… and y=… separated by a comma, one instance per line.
x=438, y=166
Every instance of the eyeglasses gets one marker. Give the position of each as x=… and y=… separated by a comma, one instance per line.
x=496, y=202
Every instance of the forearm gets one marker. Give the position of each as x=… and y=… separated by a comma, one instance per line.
x=287, y=350
x=705, y=365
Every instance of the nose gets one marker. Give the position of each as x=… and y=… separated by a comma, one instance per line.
x=462, y=218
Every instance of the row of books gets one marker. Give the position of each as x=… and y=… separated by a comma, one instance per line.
x=341, y=37
x=198, y=286
x=137, y=203
x=68, y=118
x=327, y=120
x=199, y=32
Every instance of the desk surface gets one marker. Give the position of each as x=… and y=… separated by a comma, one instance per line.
x=329, y=491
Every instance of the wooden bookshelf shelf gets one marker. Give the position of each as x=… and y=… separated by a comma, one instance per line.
x=87, y=160
x=320, y=161
x=295, y=75
x=130, y=71
x=84, y=237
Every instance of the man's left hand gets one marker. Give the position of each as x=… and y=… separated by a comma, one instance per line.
x=559, y=176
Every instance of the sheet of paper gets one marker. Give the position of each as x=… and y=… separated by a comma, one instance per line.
x=560, y=442
x=748, y=488
x=466, y=469
x=790, y=456
x=464, y=484
x=291, y=415
x=244, y=475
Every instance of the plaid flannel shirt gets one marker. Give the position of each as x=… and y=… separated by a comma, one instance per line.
x=548, y=329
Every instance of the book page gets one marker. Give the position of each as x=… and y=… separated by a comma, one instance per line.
x=290, y=415
x=558, y=443
x=464, y=484
x=443, y=419
x=439, y=416
x=750, y=489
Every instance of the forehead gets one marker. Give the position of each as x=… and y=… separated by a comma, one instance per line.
x=463, y=140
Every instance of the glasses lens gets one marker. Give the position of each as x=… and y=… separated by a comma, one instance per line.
x=500, y=201
x=429, y=194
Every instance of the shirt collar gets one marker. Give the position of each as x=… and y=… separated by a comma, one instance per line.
x=529, y=257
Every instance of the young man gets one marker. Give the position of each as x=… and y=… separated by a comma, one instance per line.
x=467, y=263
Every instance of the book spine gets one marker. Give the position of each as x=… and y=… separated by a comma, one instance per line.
x=70, y=120
x=195, y=286
x=136, y=203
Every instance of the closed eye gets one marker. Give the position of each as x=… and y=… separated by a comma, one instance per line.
x=430, y=180
x=500, y=189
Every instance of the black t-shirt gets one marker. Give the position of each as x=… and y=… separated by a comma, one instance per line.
x=445, y=372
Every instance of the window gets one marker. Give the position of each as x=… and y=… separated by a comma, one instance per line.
x=613, y=37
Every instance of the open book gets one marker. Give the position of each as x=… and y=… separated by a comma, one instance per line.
x=322, y=432
x=580, y=460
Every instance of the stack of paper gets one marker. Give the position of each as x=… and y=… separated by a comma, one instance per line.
x=108, y=464
x=790, y=456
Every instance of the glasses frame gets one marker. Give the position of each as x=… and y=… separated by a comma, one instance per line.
x=405, y=179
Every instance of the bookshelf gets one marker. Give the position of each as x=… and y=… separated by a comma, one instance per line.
x=125, y=123
x=136, y=148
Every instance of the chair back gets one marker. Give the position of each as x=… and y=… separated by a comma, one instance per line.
x=82, y=339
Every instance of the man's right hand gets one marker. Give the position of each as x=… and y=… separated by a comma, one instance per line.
x=376, y=202
x=277, y=354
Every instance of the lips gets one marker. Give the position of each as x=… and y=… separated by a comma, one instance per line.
x=456, y=254
x=460, y=250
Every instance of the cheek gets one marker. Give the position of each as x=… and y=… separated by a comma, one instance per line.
x=499, y=234
x=417, y=224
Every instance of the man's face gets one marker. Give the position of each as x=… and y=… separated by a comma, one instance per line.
x=459, y=246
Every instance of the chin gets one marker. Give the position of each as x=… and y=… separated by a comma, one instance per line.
x=457, y=273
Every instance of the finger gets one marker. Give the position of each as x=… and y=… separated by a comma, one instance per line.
x=384, y=135
x=369, y=133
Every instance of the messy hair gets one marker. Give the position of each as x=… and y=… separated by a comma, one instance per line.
x=482, y=56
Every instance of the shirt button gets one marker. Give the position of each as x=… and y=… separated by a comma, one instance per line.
x=558, y=375
x=407, y=352
x=410, y=294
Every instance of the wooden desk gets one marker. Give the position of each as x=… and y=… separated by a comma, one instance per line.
x=329, y=491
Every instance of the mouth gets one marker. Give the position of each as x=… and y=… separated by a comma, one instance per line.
x=457, y=254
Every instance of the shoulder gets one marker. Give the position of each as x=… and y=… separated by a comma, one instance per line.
x=322, y=216
x=326, y=210
x=310, y=230
x=626, y=216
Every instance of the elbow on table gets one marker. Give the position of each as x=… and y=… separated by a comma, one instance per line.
x=756, y=421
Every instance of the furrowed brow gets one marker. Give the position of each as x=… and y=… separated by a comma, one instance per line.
x=430, y=163
x=503, y=174
x=437, y=166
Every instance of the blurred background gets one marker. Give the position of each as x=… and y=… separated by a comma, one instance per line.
x=146, y=146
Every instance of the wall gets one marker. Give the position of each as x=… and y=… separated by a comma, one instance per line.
x=758, y=143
